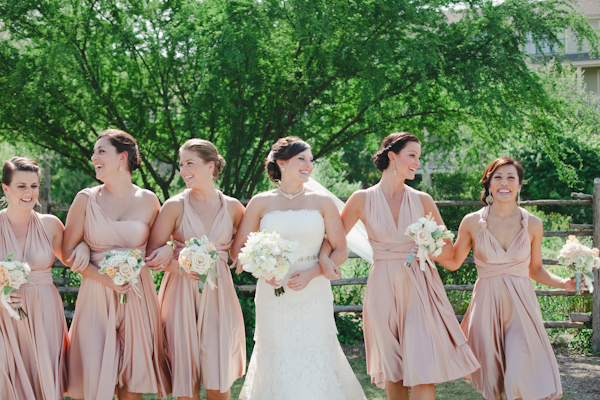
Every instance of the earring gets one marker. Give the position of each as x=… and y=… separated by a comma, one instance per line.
x=282, y=169
x=394, y=168
x=489, y=199
x=121, y=168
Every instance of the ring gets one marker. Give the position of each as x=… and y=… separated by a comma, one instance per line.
x=162, y=266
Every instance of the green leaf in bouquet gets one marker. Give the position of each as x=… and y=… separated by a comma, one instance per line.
x=215, y=272
x=589, y=274
x=27, y=279
x=8, y=290
x=202, y=278
x=9, y=257
x=214, y=253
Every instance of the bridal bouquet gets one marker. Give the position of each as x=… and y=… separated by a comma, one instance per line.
x=13, y=274
x=581, y=260
x=429, y=239
x=199, y=256
x=268, y=256
x=123, y=267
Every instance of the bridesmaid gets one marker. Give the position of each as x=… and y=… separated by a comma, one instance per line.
x=114, y=347
x=204, y=331
x=504, y=324
x=32, y=350
x=412, y=337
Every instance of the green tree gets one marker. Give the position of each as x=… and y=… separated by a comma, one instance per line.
x=243, y=73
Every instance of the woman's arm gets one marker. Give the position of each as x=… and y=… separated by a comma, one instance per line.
x=161, y=254
x=249, y=223
x=537, y=272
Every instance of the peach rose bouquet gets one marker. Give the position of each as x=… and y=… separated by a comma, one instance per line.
x=123, y=267
x=200, y=257
x=13, y=274
x=429, y=239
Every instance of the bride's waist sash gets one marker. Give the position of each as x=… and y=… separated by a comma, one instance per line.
x=391, y=251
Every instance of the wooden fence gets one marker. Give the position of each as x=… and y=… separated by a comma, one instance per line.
x=576, y=320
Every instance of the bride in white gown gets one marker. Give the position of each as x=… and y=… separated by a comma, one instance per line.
x=296, y=354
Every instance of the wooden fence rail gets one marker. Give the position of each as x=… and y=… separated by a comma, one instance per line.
x=576, y=320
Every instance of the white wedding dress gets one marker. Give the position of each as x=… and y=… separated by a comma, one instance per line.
x=297, y=355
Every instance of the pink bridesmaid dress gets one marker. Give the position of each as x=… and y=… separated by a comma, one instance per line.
x=205, y=331
x=411, y=332
x=112, y=344
x=33, y=350
x=503, y=323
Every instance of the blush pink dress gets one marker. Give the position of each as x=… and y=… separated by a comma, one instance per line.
x=115, y=345
x=205, y=331
x=33, y=350
x=411, y=332
x=503, y=323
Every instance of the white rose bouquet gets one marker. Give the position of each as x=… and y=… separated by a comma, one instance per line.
x=581, y=260
x=13, y=274
x=123, y=267
x=200, y=256
x=429, y=239
x=268, y=256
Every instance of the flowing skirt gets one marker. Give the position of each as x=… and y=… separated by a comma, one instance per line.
x=204, y=331
x=33, y=350
x=117, y=345
x=411, y=332
x=504, y=328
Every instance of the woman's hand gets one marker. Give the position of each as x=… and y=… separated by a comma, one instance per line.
x=274, y=283
x=569, y=284
x=81, y=257
x=300, y=279
x=108, y=282
x=329, y=269
x=160, y=258
x=16, y=301
x=238, y=266
x=192, y=277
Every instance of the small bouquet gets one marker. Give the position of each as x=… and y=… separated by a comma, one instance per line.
x=123, y=267
x=581, y=260
x=200, y=256
x=13, y=274
x=268, y=256
x=429, y=239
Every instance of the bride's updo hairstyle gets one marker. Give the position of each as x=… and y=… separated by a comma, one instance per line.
x=207, y=152
x=123, y=141
x=284, y=149
x=492, y=168
x=18, y=164
x=393, y=142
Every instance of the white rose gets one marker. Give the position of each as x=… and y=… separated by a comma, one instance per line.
x=127, y=271
x=118, y=279
x=132, y=261
x=423, y=237
x=430, y=226
x=201, y=263
x=16, y=279
x=113, y=262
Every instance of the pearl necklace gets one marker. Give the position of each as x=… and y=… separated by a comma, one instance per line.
x=290, y=196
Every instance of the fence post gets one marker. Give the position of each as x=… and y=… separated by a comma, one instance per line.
x=44, y=198
x=596, y=298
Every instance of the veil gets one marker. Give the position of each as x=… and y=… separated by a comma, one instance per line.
x=357, y=238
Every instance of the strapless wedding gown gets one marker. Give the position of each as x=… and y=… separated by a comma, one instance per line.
x=297, y=355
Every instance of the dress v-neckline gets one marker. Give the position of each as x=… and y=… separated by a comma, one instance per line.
x=16, y=241
x=487, y=214
x=208, y=231
x=389, y=209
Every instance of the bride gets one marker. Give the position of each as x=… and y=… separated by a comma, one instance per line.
x=297, y=354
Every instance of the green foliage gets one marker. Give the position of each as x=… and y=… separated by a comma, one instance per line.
x=243, y=73
x=349, y=328
x=582, y=342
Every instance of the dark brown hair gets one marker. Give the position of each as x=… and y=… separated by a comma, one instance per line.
x=393, y=142
x=492, y=168
x=18, y=164
x=124, y=142
x=207, y=152
x=284, y=149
